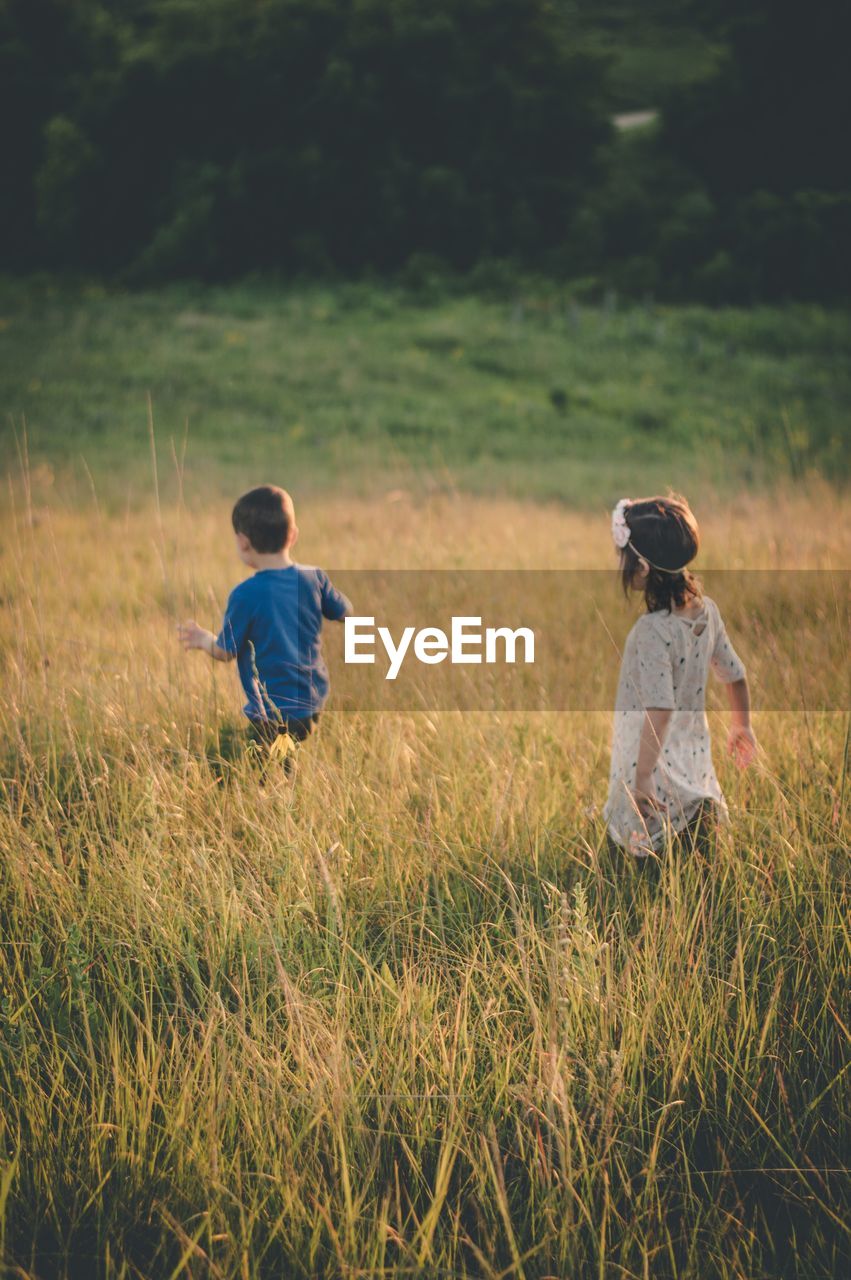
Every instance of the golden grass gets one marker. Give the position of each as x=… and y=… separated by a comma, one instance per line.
x=407, y=1016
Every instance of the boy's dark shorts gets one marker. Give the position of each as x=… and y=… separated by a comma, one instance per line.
x=298, y=728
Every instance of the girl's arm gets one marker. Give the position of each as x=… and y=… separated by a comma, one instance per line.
x=728, y=666
x=741, y=740
x=656, y=720
x=194, y=637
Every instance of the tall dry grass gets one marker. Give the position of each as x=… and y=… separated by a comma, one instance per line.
x=407, y=1016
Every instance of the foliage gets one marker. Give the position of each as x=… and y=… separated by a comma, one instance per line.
x=762, y=136
x=651, y=226
x=204, y=137
x=651, y=47
x=160, y=139
x=771, y=115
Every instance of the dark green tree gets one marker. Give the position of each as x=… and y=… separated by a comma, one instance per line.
x=774, y=114
x=215, y=136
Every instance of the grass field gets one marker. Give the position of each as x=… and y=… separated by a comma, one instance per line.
x=406, y=1016
x=360, y=387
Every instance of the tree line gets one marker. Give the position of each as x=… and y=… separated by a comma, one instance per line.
x=148, y=139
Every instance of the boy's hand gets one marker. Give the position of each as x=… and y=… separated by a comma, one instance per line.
x=742, y=744
x=192, y=636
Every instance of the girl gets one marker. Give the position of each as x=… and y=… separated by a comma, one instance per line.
x=662, y=779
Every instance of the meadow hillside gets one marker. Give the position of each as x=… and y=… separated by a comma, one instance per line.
x=516, y=389
x=406, y=1016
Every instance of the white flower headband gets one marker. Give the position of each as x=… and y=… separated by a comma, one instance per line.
x=622, y=536
x=620, y=528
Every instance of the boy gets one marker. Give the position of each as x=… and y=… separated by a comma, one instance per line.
x=273, y=622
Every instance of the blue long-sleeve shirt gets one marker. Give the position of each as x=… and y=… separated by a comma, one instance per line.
x=273, y=625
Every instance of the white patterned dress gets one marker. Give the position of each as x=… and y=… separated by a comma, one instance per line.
x=666, y=663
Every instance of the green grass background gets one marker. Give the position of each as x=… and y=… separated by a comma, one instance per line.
x=532, y=393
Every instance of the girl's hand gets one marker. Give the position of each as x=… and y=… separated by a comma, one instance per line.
x=192, y=636
x=742, y=744
x=645, y=799
x=651, y=812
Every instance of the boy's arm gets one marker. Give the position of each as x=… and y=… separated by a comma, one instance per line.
x=335, y=606
x=194, y=637
x=741, y=740
x=653, y=730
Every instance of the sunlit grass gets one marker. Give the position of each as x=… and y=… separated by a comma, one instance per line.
x=407, y=1016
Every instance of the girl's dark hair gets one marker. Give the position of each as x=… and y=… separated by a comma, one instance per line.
x=265, y=515
x=664, y=532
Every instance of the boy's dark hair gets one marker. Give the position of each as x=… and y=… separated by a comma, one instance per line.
x=266, y=516
x=664, y=532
